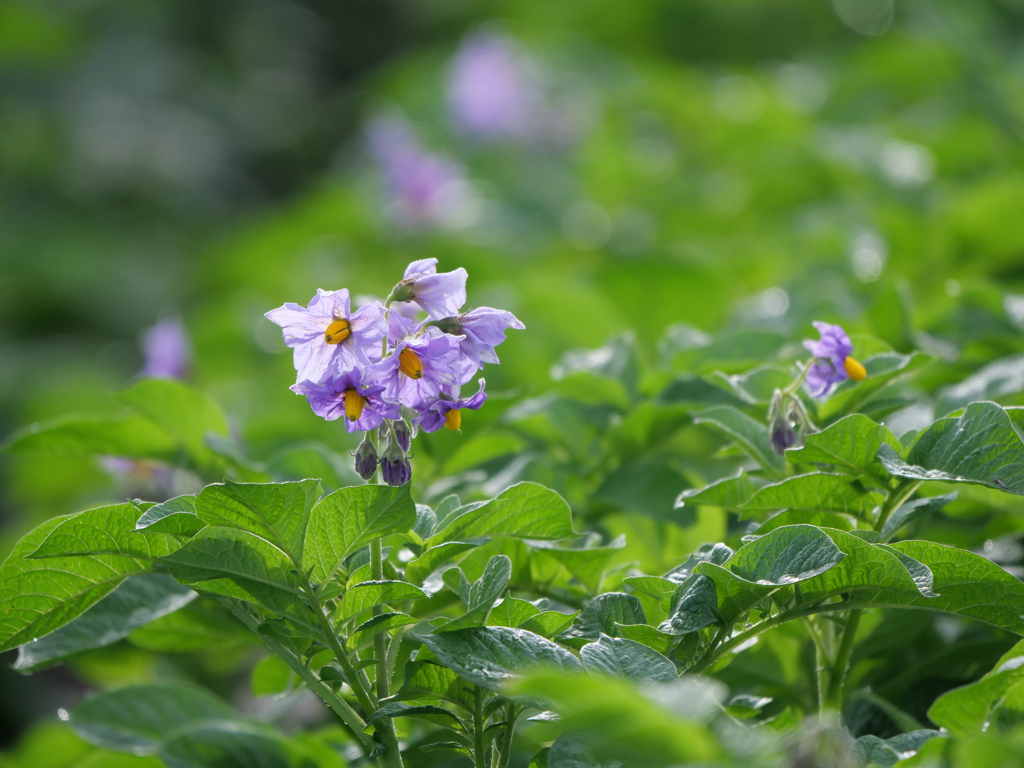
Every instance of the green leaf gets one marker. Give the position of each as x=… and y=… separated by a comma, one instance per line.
x=757, y=386
x=621, y=723
x=199, y=625
x=483, y=448
x=493, y=656
x=653, y=586
x=967, y=584
x=276, y=512
x=232, y=745
x=693, y=607
x=587, y=564
x=430, y=713
x=41, y=594
x=968, y=709
x=1001, y=378
x=601, y=616
x=382, y=622
x=131, y=435
x=428, y=680
x=482, y=594
x=850, y=445
x=511, y=612
x=805, y=517
x=910, y=511
x=367, y=594
x=816, y=492
x=138, y=718
x=182, y=412
x=919, y=572
x=786, y=556
x=980, y=446
x=888, y=752
x=526, y=510
x=137, y=601
x=548, y=623
x=540, y=760
x=272, y=677
x=619, y=657
x=750, y=435
x=235, y=563
x=728, y=493
x=176, y=516
x=351, y=518
x=647, y=635
x=419, y=569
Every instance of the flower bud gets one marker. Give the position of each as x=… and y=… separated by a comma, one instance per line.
x=403, y=433
x=366, y=459
x=394, y=466
x=780, y=424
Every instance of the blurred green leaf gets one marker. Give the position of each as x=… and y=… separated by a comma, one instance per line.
x=137, y=601
x=619, y=657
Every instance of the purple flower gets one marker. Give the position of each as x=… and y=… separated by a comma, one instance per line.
x=492, y=90
x=327, y=337
x=484, y=329
x=445, y=410
x=415, y=178
x=418, y=367
x=835, y=364
x=348, y=395
x=167, y=350
x=439, y=294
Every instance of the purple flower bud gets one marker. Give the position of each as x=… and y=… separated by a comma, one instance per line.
x=394, y=466
x=366, y=459
x=403, y=433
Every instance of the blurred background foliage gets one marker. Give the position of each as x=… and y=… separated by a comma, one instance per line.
x=672, y=169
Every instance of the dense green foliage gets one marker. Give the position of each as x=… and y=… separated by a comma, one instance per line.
x=610, y=561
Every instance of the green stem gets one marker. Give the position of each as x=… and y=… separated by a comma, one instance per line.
x=353, y=722
x=479, y=756
x=505, y=751
x=896, y=497
x=841, y=665
x=821, y=669
x=393, y=755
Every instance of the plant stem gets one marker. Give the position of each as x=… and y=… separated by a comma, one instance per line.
x=479, y=756
x=821, y=669
x=505, y=751
x=896, y=497
x=393, y=755
x=353, y=722
x=841, y=665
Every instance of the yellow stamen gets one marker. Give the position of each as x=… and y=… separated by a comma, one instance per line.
x=354, y=404
x=453, y=420
x=410, y=364
x=337, y=332
x=856, y=371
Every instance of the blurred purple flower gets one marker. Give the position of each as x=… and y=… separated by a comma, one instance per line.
x=835, y=364
x=417, y=368
x=351, y=395
x=328, y=337
x=445, y=410
x=492, y=89
x=415, y=178
x=167, y=350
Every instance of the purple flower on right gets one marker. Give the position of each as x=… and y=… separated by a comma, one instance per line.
x=834, y=364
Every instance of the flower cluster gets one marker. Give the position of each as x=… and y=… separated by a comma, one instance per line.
x=415, y=351
x=831, y=364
